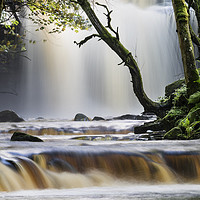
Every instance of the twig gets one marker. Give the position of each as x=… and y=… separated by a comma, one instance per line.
x=109, y=20
x=82, y=42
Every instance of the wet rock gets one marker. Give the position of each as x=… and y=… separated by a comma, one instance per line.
x=9, y=116
x=132, y=117
x=150, y=126
x=81, y=117
x=98, y=119
x=19, y=136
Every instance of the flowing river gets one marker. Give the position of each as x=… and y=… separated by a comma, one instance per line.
x=114, y=163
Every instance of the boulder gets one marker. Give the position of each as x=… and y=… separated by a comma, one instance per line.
x=9, y=116
x=81, y=117
x=19, y=136
x=98, y=119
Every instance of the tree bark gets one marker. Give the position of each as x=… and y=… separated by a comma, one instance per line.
x=127, y=58
x=186, y=46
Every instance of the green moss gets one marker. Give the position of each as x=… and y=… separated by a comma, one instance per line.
x=194, y=115
x=171, y=88
x=195, y=98
x=180, y=96
x=176, y=112
x=182, y=14
x=191, y=123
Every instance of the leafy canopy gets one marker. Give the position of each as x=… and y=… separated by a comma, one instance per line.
x=52, y=16
x=59, y=13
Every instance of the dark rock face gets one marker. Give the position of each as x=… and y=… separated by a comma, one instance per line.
x=153, y=126
x=132, y=117
x=9, y=116
x=18, y=136
x=81, y=117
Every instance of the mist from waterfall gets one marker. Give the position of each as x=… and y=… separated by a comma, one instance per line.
x=61, y=80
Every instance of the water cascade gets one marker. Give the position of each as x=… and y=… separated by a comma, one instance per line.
x=60, y=79
x=73, y=169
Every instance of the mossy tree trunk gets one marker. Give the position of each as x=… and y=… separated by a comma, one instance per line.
x=186, y=46
x=127, y=59
x=1, y=7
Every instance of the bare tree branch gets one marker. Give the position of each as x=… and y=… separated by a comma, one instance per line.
x=109, y=20
x=82, y=42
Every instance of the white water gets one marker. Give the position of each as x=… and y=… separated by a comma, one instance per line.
x=131, y=192
x=62, y=80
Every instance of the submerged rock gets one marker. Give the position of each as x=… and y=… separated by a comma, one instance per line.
x=19, y=136
x=9, y=116
x=81, y=117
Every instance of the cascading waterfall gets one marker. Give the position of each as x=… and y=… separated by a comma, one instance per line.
x=62, y=80
x=73, y=169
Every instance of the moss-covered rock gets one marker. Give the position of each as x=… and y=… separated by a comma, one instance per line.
x=170, y=89
x=19, y=136
x=195, y=98
x=182, y=121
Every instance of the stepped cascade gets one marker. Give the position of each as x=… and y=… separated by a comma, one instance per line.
x=73, y=169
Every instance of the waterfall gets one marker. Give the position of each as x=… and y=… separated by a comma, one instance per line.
x=62, y=80
x=74, y=169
